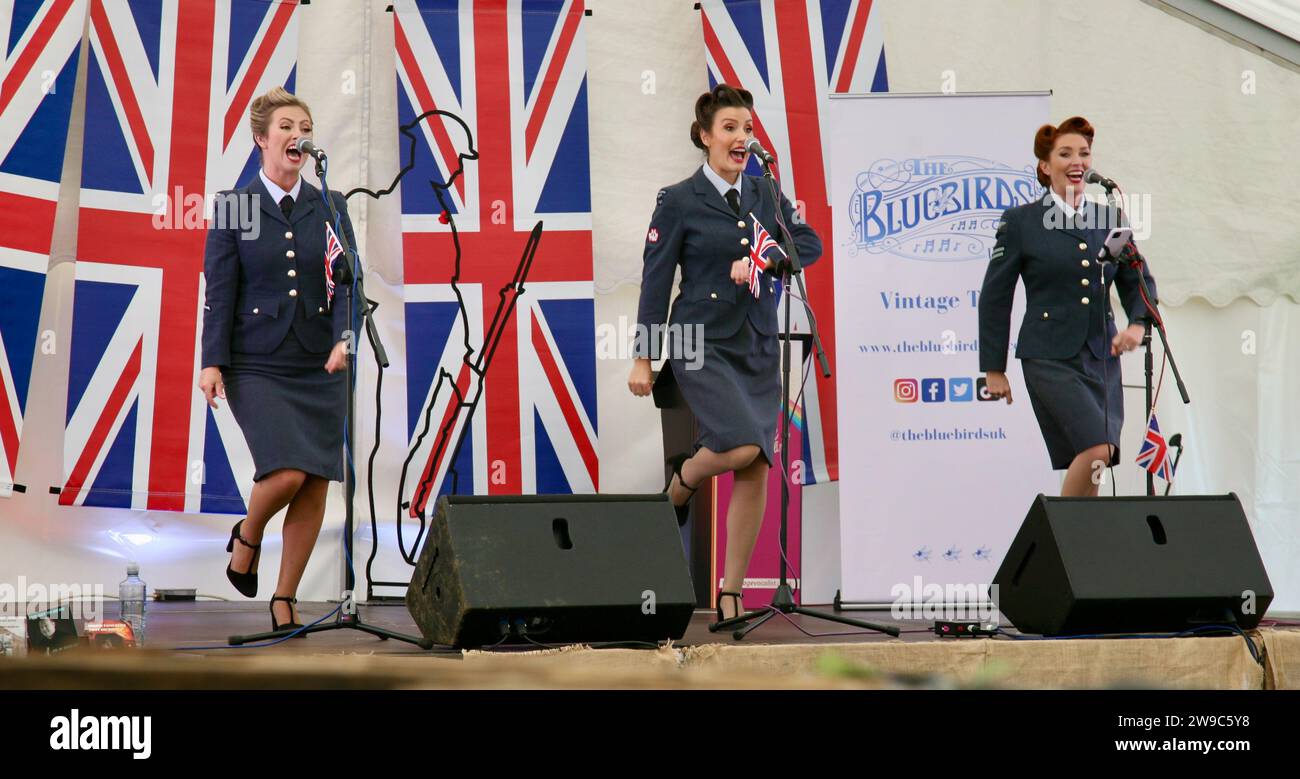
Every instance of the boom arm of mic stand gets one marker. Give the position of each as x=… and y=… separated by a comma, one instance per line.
x=1160, y=330
x=349, y=256
x=1151, y=304
x=796, y=271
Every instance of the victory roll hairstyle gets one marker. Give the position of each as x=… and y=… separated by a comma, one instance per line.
x=708, y=104
x=1045, y=140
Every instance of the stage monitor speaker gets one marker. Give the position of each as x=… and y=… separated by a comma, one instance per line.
x=555, y=569
x=1132, y=565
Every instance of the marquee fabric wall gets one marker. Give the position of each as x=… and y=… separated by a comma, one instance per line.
x=646, y=63
x=41, y=44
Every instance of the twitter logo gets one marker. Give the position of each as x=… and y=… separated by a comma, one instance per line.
x=961, y=390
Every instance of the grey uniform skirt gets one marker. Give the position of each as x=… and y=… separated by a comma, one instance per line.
x=734, y=390
x=1079, y=403
x=290, y=409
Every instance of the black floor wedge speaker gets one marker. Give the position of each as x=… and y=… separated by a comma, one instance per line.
x=1129, y=565
x=554, y=569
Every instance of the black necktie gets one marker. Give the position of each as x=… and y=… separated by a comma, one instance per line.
x=286, y=205
x=733, y=200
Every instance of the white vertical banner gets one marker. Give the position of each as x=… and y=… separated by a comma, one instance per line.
x=935, y=476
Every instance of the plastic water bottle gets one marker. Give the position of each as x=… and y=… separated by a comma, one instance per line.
x=131, y=594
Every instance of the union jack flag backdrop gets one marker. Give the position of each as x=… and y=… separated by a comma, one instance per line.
x=38, y=70
x=792, y=54
x=168, y=92
x=516, y=73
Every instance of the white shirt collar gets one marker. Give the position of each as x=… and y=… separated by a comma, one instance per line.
x=1064, y=206
x=721, y=183
x=274, y=190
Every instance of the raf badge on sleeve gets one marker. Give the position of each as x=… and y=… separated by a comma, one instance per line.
x=998, y=249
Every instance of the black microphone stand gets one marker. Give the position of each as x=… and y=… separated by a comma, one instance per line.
x=1149, y=371
x=346, y=616
x=1136, y=263
x=783, y=599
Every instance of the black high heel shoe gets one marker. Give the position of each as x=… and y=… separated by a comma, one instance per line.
x=740, y=604
x=683, y=511
x=276, y=626
x=246, y=582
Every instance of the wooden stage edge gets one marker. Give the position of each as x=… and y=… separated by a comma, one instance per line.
x=779, y=655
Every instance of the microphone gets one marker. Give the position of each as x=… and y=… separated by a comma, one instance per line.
x=1175, y=442
x=755, y=148
x=1093, y=177
x=305, y=146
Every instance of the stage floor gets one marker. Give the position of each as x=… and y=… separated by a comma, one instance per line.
x=186, y=649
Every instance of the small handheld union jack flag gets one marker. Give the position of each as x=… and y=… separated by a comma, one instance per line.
x=759, y=249
x=332, y=251
x=1154, y=454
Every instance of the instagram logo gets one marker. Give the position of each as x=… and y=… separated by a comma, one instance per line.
x=905, y=390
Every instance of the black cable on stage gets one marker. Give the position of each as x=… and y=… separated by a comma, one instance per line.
x=1250, y=644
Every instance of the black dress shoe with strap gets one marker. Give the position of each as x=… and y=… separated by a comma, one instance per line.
x=245, y=582
x=740, y=604
x=276, y=626
x=683, y=511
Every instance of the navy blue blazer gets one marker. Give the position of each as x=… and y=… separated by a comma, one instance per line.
x=694, y=227
x=1057, y=259
x=257, y=289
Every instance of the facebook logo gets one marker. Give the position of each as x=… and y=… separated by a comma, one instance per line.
x=961, y=390
x=932, y=391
